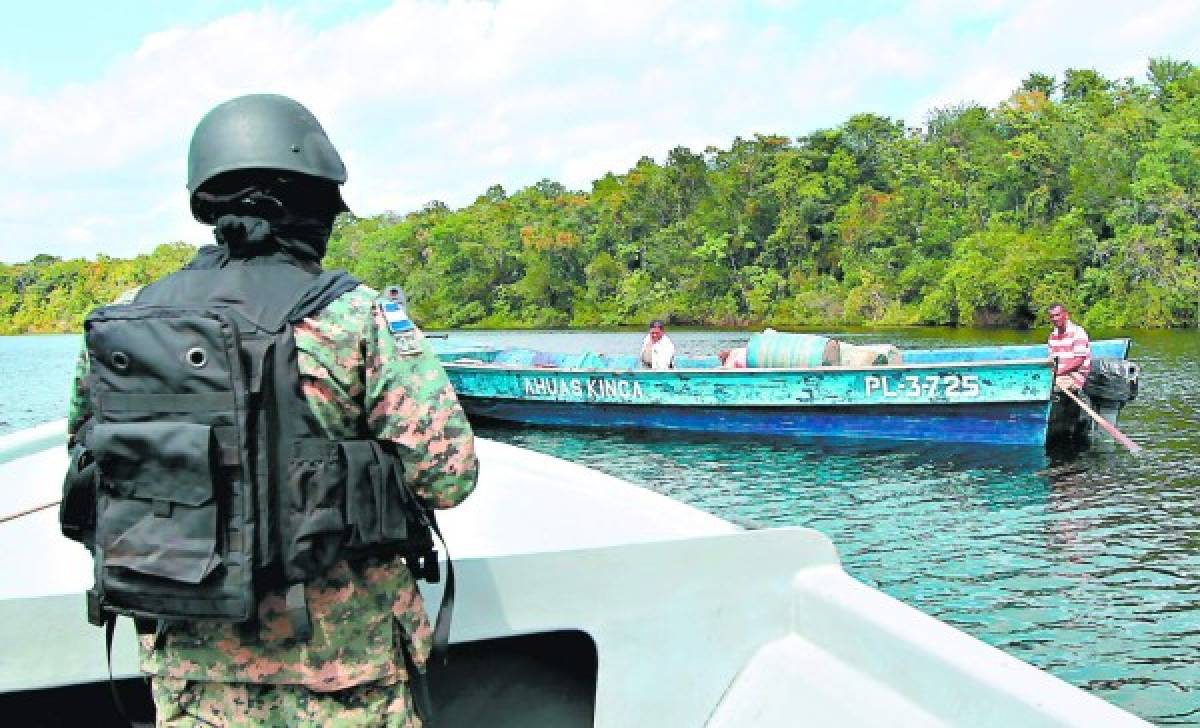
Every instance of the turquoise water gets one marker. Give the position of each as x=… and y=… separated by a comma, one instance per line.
x=35, y=378
x=1084, y=563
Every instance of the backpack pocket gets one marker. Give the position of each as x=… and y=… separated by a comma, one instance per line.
x=382, y=513
x=77, y=510
x=314, y=502
x=156, y=508
x=377, y=500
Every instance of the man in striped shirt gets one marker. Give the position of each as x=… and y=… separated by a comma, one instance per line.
x=1069, y=348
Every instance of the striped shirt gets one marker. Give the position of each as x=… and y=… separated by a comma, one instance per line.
x=1072, y=342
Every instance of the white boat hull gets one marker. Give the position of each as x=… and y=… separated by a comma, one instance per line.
x=686, y=619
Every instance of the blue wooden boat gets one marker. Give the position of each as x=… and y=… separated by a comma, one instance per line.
x=995, y=395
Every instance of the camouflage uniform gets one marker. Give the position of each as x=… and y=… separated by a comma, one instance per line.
x=353, y=373
x=183, y=704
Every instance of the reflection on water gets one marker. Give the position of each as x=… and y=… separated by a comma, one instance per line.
x=1084, y=563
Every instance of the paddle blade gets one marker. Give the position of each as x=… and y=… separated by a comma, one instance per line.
x=1108, y=427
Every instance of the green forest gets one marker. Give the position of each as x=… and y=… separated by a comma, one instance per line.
x=1079, y=189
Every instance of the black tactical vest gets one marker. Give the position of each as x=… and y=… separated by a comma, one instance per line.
x=203, y=478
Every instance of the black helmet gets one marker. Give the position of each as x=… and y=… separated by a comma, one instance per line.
x=261, y=132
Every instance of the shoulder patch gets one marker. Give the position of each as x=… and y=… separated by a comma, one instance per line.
x=396, y=316
x=403, y=330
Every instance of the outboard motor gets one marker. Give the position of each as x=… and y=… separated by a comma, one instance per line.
x=1111, y=384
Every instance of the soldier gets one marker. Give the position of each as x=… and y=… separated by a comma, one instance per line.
x=262, y=171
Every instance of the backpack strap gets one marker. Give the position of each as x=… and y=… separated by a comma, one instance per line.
x=295, y=605
x=327, y=287
x=321, y=291
x=418, y=681
x=441, y=629
x=110, y=627
x=269, y=295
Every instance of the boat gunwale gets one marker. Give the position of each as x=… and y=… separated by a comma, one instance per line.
x=657, y=377
x=833, y=369
x=798, y=406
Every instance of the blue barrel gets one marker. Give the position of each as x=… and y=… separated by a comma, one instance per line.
x=774, y=350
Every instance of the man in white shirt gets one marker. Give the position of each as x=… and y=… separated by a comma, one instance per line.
x=657, y=350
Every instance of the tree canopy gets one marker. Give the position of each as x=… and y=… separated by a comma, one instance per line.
x=1082, y=189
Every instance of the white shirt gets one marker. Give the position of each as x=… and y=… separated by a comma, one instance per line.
x=662, y=353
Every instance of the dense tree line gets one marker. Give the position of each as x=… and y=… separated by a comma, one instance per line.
x=49, y=294
x=1081, y=189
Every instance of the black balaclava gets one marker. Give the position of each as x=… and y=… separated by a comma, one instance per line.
x=263, y=214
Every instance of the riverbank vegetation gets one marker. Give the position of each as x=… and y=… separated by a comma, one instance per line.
x=1078, y=189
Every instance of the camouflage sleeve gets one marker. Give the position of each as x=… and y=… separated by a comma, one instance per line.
x=409, y=402
x=79, y=409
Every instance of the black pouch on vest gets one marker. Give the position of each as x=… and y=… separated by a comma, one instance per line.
x=382, y=512
x=77, y=510
x=156, y=492
x=348, y=499
x=313, y=506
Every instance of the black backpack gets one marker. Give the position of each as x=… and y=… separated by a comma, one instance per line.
x=202, y=478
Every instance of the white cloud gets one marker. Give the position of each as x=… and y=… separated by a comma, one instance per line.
x=1115, y=38
x=951, y=8
x=868, y=51
x=82, y=234
x=692, y=36
x=579, y=171
x=983, y=84
x=437, y=100
x=1157, y=21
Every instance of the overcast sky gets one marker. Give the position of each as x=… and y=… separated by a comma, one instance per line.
x=439, y=100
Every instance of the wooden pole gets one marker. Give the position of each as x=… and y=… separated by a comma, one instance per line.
x=27, y=511
x=1108, y=426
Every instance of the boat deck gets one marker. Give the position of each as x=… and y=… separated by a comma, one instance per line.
x=647, y=612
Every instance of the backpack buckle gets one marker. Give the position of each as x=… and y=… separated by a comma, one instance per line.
x=95, y=608
x=296, y=607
